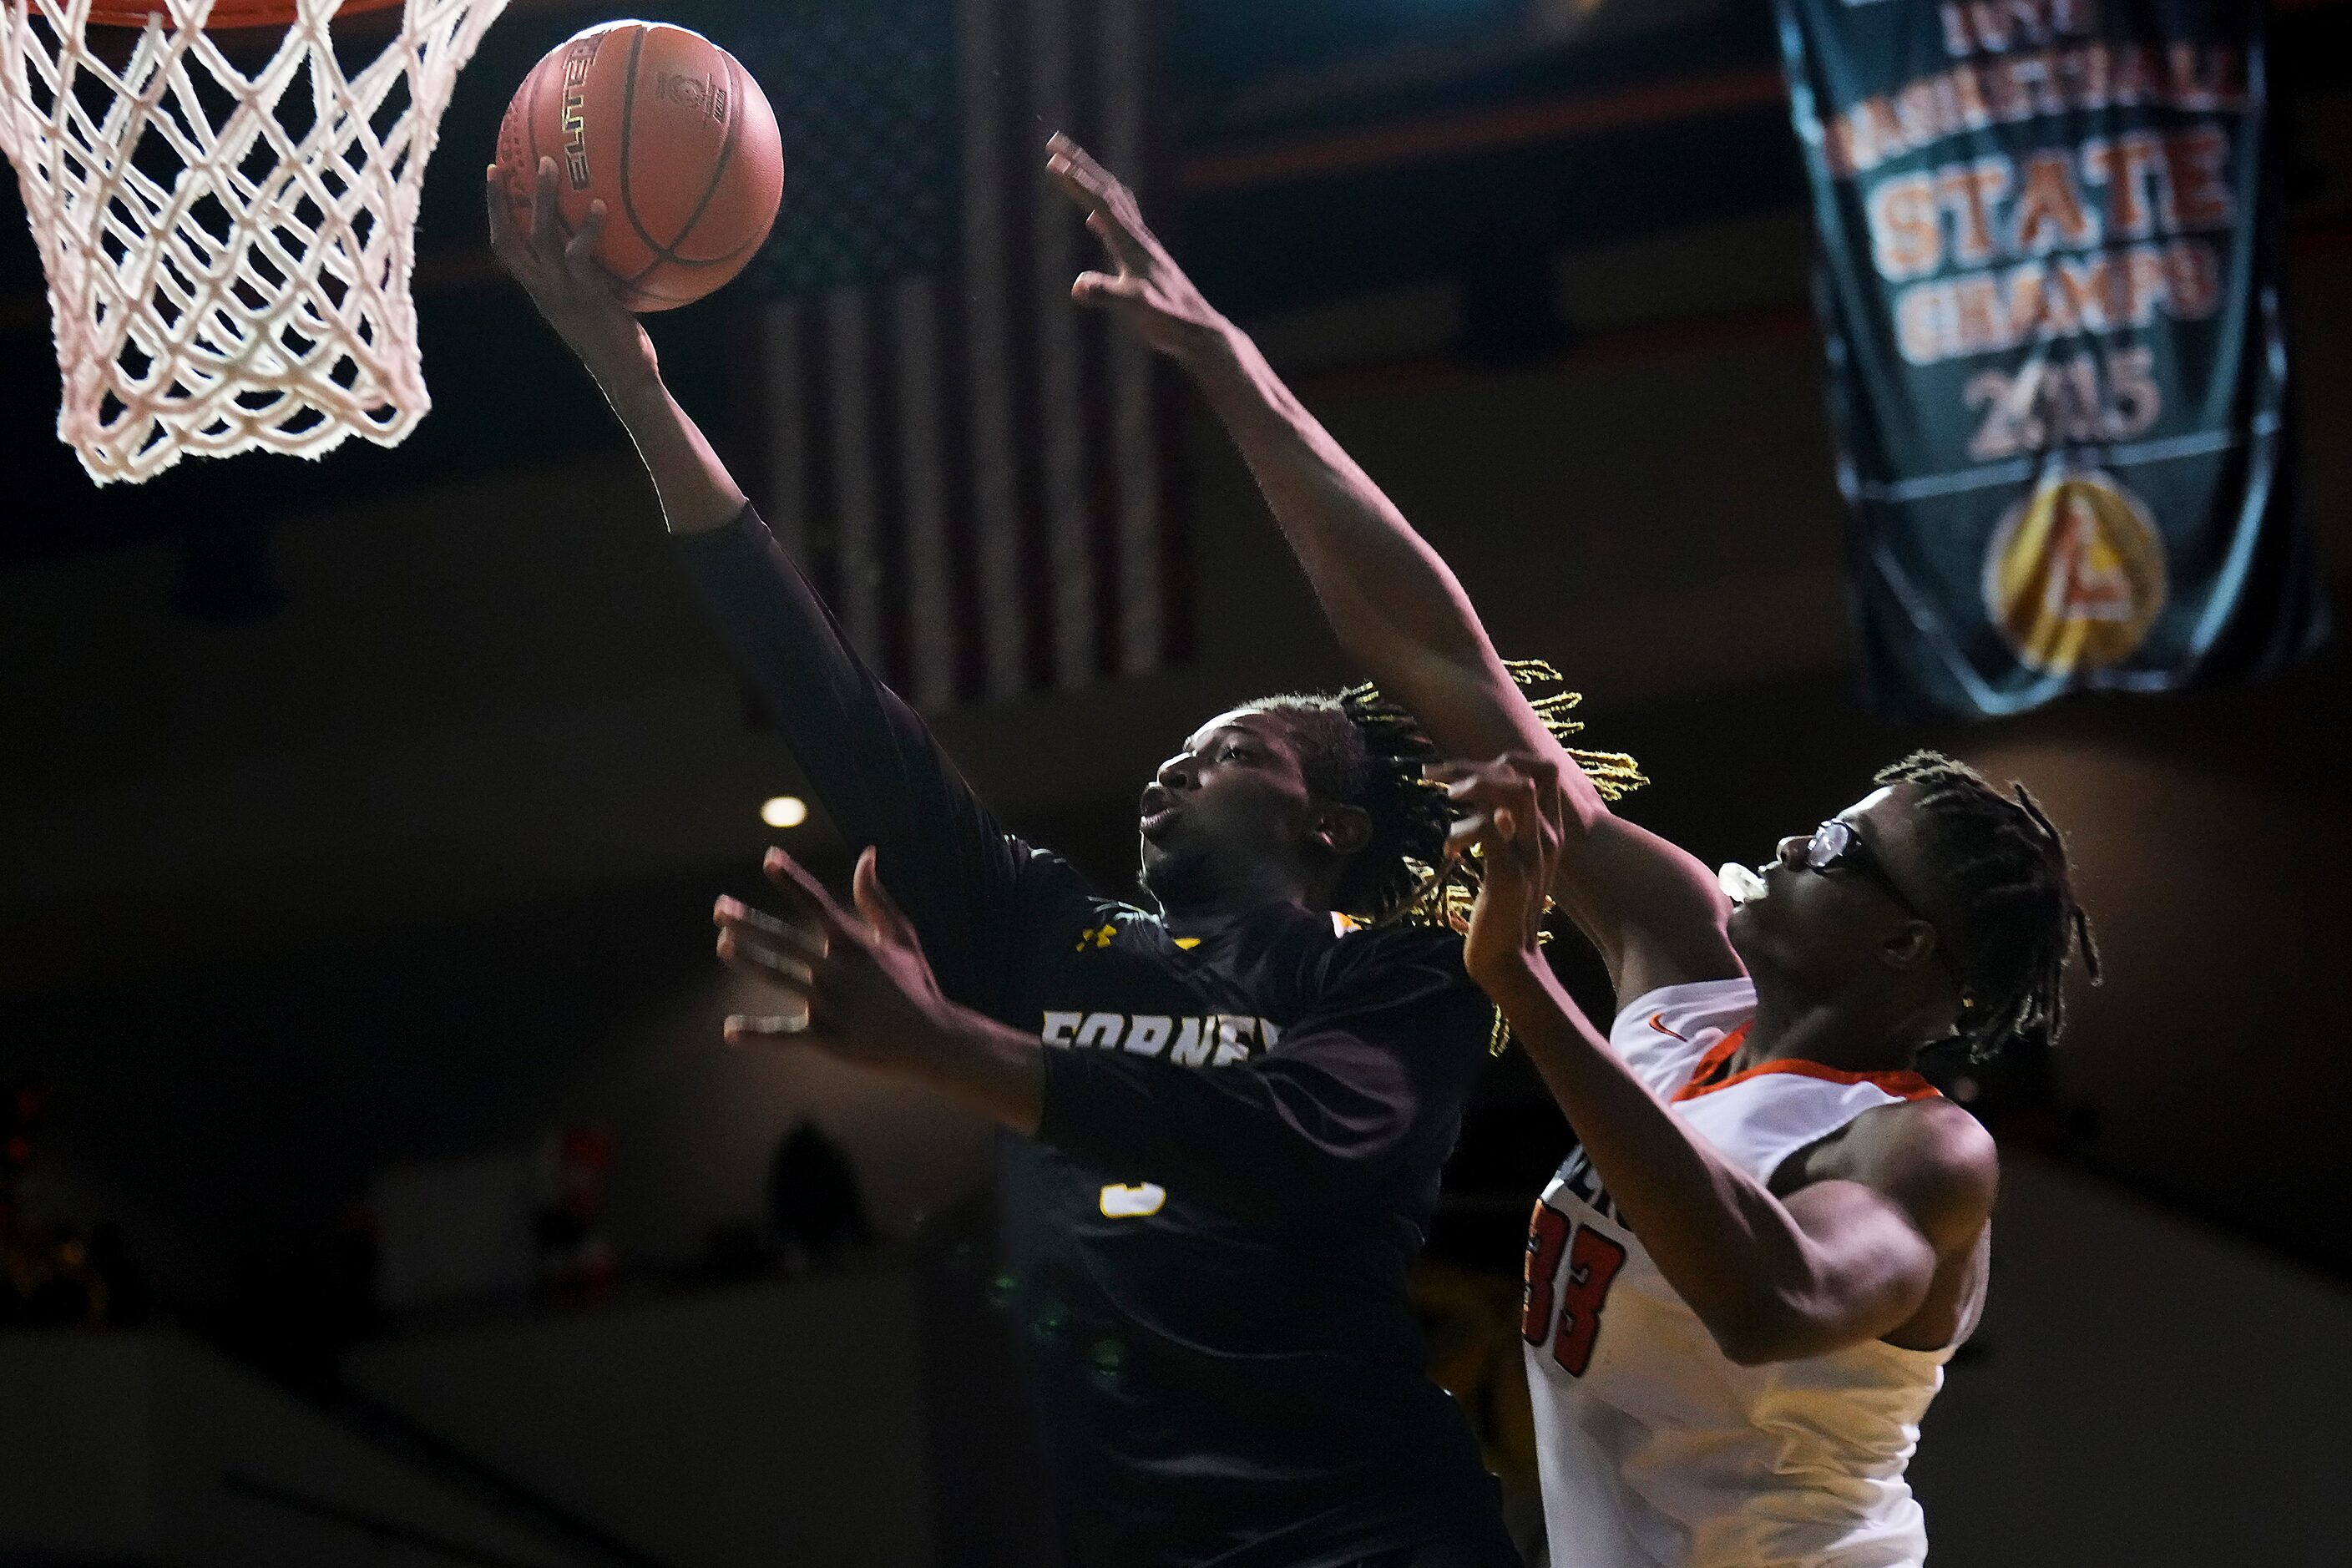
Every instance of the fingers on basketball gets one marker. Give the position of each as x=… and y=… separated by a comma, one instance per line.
x=506, y=242
x=546, y=226
x=673, y=134
x=580, y=251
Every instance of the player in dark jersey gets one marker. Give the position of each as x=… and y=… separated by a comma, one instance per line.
x=1232, y=1117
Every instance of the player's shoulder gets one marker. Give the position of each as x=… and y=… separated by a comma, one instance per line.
x=1931, y=1156
x=1407, y=968
x=1051, y=887
x=1092, y=922
x=1355, y=945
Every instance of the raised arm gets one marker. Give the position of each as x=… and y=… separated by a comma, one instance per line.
x=870, y=759
x=698, y=494
x=1654, y=910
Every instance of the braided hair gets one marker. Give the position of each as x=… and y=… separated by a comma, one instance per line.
x=1359, y=748
x=2005, y=864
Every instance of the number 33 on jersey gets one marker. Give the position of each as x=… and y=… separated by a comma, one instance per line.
x=1564, y=1306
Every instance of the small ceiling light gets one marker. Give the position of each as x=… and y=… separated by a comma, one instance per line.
x=783, y=811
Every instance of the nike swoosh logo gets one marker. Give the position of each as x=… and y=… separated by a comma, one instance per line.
x=1658, y=1022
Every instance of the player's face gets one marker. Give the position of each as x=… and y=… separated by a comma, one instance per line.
x=1229, y=812
x=1842, y=904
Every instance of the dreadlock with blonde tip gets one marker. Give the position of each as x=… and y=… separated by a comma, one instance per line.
x=1360, y=748
x=2004, y=862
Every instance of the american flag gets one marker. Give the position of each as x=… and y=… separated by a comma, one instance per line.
x=975, y=468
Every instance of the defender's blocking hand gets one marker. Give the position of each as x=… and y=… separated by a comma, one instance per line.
x=1149, y=291
x=1513, y=811
x=564, y=282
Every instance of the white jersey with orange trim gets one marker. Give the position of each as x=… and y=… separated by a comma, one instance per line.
x=1656, y=1449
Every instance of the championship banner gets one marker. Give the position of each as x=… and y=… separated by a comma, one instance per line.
x=2049, y=280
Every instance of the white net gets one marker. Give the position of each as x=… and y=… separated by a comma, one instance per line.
x=228, y=254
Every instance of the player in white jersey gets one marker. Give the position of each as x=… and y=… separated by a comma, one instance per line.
x=1657, y=1444
x=1743, y=1284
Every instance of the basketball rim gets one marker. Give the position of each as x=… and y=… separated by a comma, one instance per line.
x=226, y=15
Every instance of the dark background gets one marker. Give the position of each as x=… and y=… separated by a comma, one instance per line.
x=367, y=812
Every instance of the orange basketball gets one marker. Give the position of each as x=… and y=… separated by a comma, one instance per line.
x=671, y=133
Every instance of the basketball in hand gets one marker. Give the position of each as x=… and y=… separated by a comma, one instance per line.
x=671, y=134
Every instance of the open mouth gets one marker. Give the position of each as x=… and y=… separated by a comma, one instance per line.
x=1157, y=811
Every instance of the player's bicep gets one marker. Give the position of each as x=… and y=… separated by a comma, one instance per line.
x=1919, y=1194
x=1872, y=1265
x=1652, y=910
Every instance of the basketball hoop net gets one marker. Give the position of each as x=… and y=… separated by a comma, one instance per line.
x=228, y=255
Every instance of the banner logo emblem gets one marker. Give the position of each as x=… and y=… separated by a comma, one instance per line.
x=2075, y=575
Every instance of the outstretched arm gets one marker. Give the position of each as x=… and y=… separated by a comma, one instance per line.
x=698, y=494
x=1396, y=607
x=1773, y=1278
x=1322, y=1120
x=1389, y=596
x=868, y=757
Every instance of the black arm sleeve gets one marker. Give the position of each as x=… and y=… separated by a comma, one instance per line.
x=868, y=758
x=1334, y=1112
